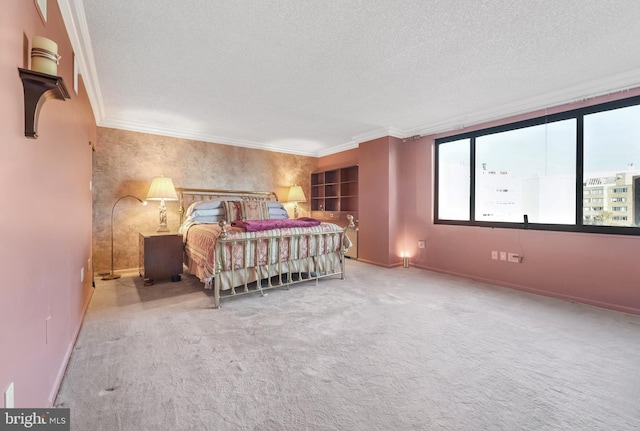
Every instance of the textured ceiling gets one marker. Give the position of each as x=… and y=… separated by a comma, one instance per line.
x=317, y=77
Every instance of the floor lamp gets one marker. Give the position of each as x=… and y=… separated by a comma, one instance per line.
x=111, y=275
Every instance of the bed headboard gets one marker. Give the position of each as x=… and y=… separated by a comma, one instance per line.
x=188, y=196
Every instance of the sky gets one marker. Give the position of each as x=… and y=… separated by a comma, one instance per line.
x=612, y=140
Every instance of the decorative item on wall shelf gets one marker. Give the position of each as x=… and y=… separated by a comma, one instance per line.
x=44, y=55
x=296, y=195
x=162, y=189
x=111, y=275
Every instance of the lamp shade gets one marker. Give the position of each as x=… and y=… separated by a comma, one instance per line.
x=296, y=194
x=162, y=188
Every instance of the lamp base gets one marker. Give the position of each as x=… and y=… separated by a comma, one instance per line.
x=163, y=229
x=111, y=277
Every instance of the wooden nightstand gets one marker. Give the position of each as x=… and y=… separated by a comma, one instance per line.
x=160, y=256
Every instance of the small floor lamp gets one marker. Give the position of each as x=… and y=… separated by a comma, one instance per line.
x=111, y=275
x=296, y=195
x=162, y=189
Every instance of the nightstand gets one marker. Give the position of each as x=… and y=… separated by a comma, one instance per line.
x=353, y=250
x=160, y=256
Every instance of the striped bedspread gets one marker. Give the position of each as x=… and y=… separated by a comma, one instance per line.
x=268, y=247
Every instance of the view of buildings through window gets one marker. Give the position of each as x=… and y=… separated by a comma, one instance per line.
x=533, y=171
x=611, y=174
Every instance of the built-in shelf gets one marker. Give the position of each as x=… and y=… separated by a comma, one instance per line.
x=334, y=194
x=38, y=88
x=335, y=190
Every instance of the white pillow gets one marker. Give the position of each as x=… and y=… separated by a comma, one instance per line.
x=278, y=214
x=209, y=204
x=207, y=212
x=203, y=220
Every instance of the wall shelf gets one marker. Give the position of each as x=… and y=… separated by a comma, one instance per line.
x=335, y=191
x=38, y=88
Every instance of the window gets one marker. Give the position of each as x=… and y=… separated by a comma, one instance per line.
x=453, y=180
x=611, y=146
x=535, y=164
x=552, y=169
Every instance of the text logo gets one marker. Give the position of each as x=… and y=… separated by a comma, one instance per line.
x=35, y=419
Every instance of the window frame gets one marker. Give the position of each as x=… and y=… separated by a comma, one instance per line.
x=578, y=225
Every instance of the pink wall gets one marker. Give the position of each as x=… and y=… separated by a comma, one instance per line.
x=378, y=211
x=45, y=216
x=338, y=160
x=595, y=269
x=396, y=192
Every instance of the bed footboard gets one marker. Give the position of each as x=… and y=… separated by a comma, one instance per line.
x=250, y=265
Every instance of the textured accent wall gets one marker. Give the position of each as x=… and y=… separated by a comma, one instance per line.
x=125, y=163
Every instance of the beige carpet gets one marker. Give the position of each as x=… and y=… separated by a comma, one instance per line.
x=385, y=349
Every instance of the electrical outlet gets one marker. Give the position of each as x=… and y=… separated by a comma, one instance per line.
x=503, y=255
x=422, y=243
x=81, y=274
x=8, y=397
x=494, y=255
x=513, y=257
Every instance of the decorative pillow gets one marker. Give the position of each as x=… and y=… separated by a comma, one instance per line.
x=255, y=210
x=234, y=210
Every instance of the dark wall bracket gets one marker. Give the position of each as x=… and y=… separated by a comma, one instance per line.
x=38, y=88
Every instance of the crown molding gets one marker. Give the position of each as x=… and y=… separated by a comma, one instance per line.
x=365, y=137
x=338, y=148
x=380, y=133
x=203, y=137
x=76, y=24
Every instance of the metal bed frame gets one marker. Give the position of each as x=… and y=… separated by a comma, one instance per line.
x=252, y=277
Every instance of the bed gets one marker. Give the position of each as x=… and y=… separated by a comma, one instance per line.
x=239, y=242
